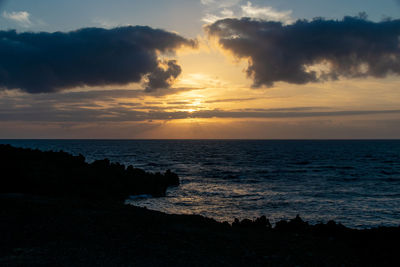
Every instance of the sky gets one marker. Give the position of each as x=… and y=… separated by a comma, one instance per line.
x=200, y=69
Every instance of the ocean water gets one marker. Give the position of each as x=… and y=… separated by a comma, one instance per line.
x=356, y=183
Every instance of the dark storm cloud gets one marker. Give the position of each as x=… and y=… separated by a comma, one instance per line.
x=50, y=62
x=352, y=47
x=163, y=76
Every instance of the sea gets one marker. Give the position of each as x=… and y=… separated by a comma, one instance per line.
x=354, y=182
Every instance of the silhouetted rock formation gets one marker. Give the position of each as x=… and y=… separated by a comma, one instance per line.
x=62, y=174
x=45, y=231
x=262, y=223
x=294, y=225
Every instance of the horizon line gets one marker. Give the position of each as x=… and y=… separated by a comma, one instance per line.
x=203, y=139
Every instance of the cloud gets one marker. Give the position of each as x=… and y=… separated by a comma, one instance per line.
x=163, y=76
x=211, y=18
x=249, y=10
x=323, y=128
x=106, y=106
x=20, y=17
x=220, y=3
x=50, y=62
x=304, y=112
x=227, y=100
x=311, y=51
x=104, y=23
x=267, y=13
x=217, y=10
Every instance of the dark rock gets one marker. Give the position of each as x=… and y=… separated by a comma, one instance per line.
x=281, y=225
x=171, y=178
x=62, y=174
x=261, y=223
x=294, y=225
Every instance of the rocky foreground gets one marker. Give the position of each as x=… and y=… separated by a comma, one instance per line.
x=61, y=174
x=58, y=210
x=43, y=231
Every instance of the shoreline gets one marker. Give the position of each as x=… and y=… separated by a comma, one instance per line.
x=356, y=188
x=67, y=212
x=50, y=173
x=43, y=231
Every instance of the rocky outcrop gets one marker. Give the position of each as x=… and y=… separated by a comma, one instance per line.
x=62, y=174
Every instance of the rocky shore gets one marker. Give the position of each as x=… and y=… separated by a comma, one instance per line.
x=46, y=221
x=43, y=231
x=62, y=174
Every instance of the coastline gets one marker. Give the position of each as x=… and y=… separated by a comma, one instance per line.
x=44, y=231
x=46, y=219
x=49, y=173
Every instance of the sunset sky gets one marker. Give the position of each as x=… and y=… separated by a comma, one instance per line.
x=278, y=69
